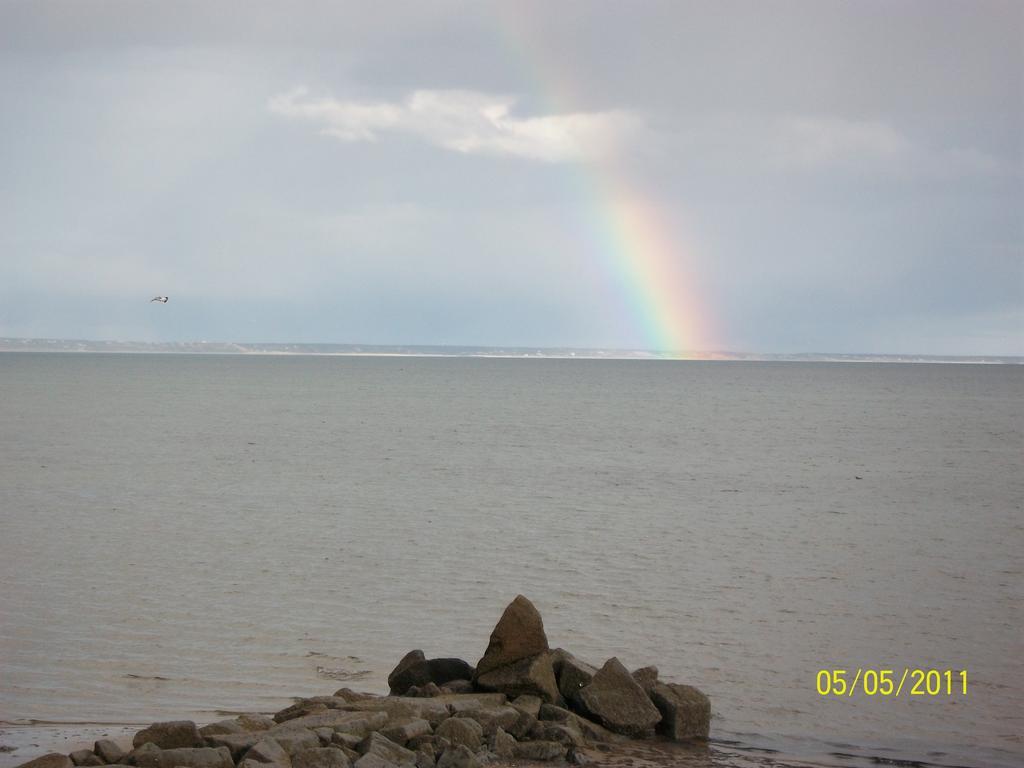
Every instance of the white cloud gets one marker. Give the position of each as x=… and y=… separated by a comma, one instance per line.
x=468, y=122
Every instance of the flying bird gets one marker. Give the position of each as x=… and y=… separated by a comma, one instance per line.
x=161, y=299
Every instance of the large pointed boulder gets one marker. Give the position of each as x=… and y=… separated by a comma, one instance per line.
x=617, y=701
x=519, y=634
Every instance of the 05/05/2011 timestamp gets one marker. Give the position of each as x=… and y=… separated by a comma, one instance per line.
x=892, y=682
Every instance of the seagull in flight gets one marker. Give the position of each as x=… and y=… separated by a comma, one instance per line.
x=161, y=299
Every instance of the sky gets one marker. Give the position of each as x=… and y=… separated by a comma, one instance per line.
x=683, y=176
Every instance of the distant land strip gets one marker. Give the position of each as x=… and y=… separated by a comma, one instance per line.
x=413, y=350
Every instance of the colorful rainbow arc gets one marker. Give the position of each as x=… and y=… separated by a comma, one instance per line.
x=638, y=247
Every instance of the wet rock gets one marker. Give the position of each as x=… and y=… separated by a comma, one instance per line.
x=320, y=757
x=573, y=674
x=176, y=734
x=109, y=751
x=617, y=702
x=267, y=750
x=646, y=678
x=85, y=757
x=459, y=756
x=532, y=676
x=519, y=634
x=504, y=744
x=685, y=711
x=51, y=760
x=539, y=750
x=461, y=730
x=401, y=734
x=420, y=672
x=384, y=748
x=183, y=757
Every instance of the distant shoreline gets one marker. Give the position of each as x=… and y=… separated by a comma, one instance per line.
x=73, y=346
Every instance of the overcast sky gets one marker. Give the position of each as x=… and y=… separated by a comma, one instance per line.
x=827, y=176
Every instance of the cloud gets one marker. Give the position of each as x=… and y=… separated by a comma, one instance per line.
x=812, y=143
x=468, y=122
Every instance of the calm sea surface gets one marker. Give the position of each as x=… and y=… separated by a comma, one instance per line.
x=183, y=535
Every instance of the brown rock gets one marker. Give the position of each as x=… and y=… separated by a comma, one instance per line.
x=403, y=733
x=539, y=750
x=461, y=730
x=183, y=757
x=519, y=634
x=400, y=672
x=109, y=751
x=175, y=734
x=85, y=757
x=422, y=672
x=573, y=674
x=492, y=718
x=51, y=760
x=532, y=676
x=320, y=757
x=384, y=748
x=646, y=678
x=267, y=750
x=615, y=700
x=685, y=711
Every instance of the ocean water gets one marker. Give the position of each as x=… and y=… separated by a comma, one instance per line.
x=185, y=535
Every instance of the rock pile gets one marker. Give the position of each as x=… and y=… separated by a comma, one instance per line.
x=522, y=701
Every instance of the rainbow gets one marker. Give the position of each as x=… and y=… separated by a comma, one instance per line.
x=624, y=227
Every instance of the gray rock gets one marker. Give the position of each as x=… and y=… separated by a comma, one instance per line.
x=617, y=702
x=573, y=674
x=176, y=734
x=346, y=740
x=221, y=728
x=566, y=734
x=255, y=722
x=462, y=703
x=461, y=730
x=384, y=748
x=554, y=713
x=50, y=760
x=646, y=678
x=401, y=734
x=685, y=711
x=459, y=756
x=425, y=756
x=492, y=718
x=300, y=708
x=532, y=676
x=539, y=750
x=504, y=744
x=183, y=757
x=293, y=740
x=324, y=734
x=349, y=695
x=267, y=750
x=523, y=726
x=109, y=751
x=528, y=703
x=404, y=707
x=237, y=743
x=320, y=757
x=340, y=720
x=373, y=761
x=247, y=763
x=457, y=686
x=519, y=634
x=85, y=757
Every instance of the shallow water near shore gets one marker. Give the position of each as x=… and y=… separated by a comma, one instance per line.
x=189, y=535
